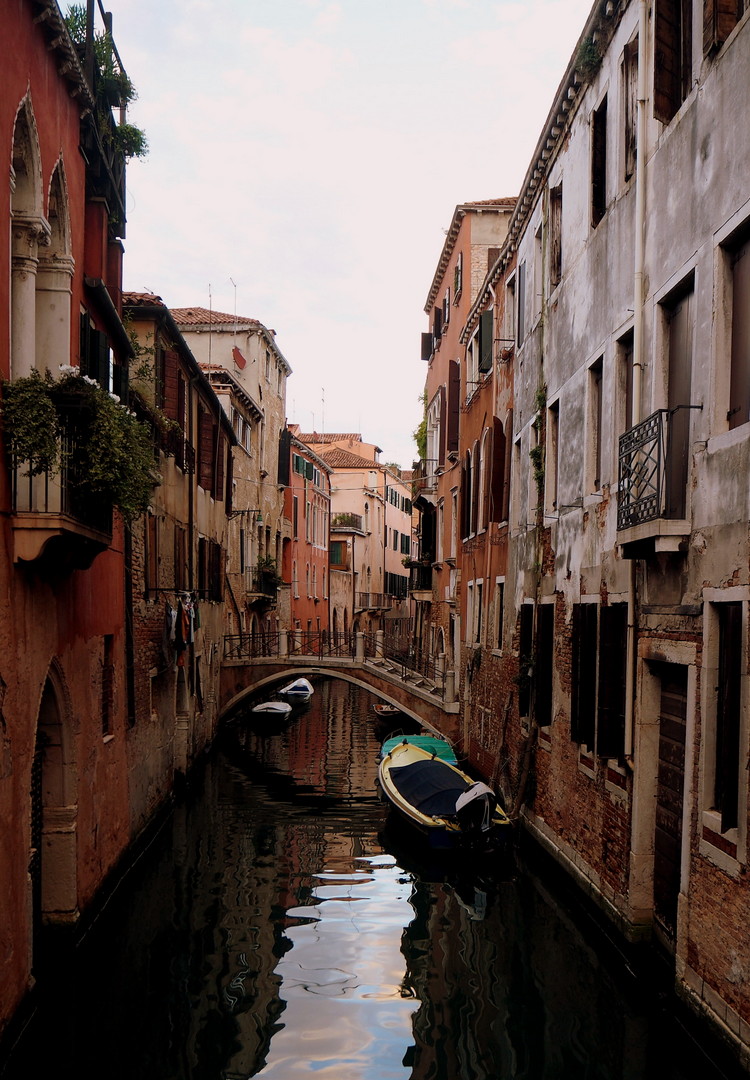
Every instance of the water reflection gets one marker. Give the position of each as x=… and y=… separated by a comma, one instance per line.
x=281, y=927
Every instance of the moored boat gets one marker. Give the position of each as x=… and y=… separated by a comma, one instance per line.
x=443, y=802
x=384, y=710
x=300, y=688
x=272, y=708
x=434, y=744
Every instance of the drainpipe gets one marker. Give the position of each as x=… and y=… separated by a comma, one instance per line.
x=640, y=223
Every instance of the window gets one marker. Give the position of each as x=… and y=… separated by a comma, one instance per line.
x=719, y=19
x=525, y=658
x=629, y=107
x=521, y=298
x=499, y=612
x=625, y=381
x=599, y=163
x=544, y=663
x=727, y=757
x=673, y=47
x=555, y=235
x=457, y=276
x=485, y=342
x=553, y=442
x=295, y=580
x=739, y=388
x=295, y=516
x=405, y=544
x=338, y=554
x=679, y=323
x=594, y=478
x=509, y=315
x=447, y=306
x=598, y=667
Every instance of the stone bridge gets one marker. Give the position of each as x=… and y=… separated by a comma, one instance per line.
x=426, y=694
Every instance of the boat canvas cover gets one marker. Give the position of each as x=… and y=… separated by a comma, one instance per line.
x=430, y=786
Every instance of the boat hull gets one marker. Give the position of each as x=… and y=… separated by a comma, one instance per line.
x=425, y=791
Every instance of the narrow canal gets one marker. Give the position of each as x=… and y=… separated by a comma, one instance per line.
x=280, y=926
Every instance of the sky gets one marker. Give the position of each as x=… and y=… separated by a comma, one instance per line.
x=305, y=159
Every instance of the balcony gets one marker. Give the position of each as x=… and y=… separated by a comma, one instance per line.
x=371, y=601
x=420, y=580
x=54, y=517
x=347, y=523
x=653, y=473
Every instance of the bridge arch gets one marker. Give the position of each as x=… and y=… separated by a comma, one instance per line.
x=241, y=680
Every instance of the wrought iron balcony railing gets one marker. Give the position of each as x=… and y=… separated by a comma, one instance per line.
x=641, y=472
x=654, y=464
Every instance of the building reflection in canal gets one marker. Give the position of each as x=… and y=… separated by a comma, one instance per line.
x=277, y=927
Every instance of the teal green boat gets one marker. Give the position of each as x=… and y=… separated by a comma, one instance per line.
x=433, y=744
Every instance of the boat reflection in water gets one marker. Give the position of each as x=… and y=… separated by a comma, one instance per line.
x=278, y=926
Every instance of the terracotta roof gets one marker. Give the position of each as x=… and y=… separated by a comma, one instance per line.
x=142, y=299
x=319, y=437
x=342, y=459
x=200, y=316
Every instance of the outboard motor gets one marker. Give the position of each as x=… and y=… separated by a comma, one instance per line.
x=474, y=809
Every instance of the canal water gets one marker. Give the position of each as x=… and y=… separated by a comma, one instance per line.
x=283, y=925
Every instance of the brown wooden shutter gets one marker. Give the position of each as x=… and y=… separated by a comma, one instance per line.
x=443, y=427
x=171, y=384
x=454, y=405
x=525, y=658
x=221, y=451
x=205, y=449
x=485, y=342
x=543, y=665
x=728, y=713
x=666, y=59
x=583, y=672
x=739, y=391
x=719, y=19
x=613, y=649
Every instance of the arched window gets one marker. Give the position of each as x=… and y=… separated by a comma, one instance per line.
x=53, y=281
x=29, y=231
x=485, y=457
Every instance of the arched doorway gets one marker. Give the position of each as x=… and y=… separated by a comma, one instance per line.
x=54, y=811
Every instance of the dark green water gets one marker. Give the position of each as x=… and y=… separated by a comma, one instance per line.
x=278, y=927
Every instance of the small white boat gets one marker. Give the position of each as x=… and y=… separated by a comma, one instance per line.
x=300, y=688
x=272, y=708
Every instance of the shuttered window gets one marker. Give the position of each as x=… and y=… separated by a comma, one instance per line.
x=485, y=342
x=205, y=449
x=555, y=235
x=728, y=712
x=583, y=674
x=525, y=658
x=739, y=390
x=630, y=106
x=453, y=406
x=599, y=163
x=497, y=484
x=543, y=667
x=613, y=626
x=673, y=56
x=719, y=19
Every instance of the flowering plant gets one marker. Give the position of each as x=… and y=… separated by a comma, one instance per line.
x=113, y=450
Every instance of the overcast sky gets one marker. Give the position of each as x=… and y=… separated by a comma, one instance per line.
x=312, y=153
